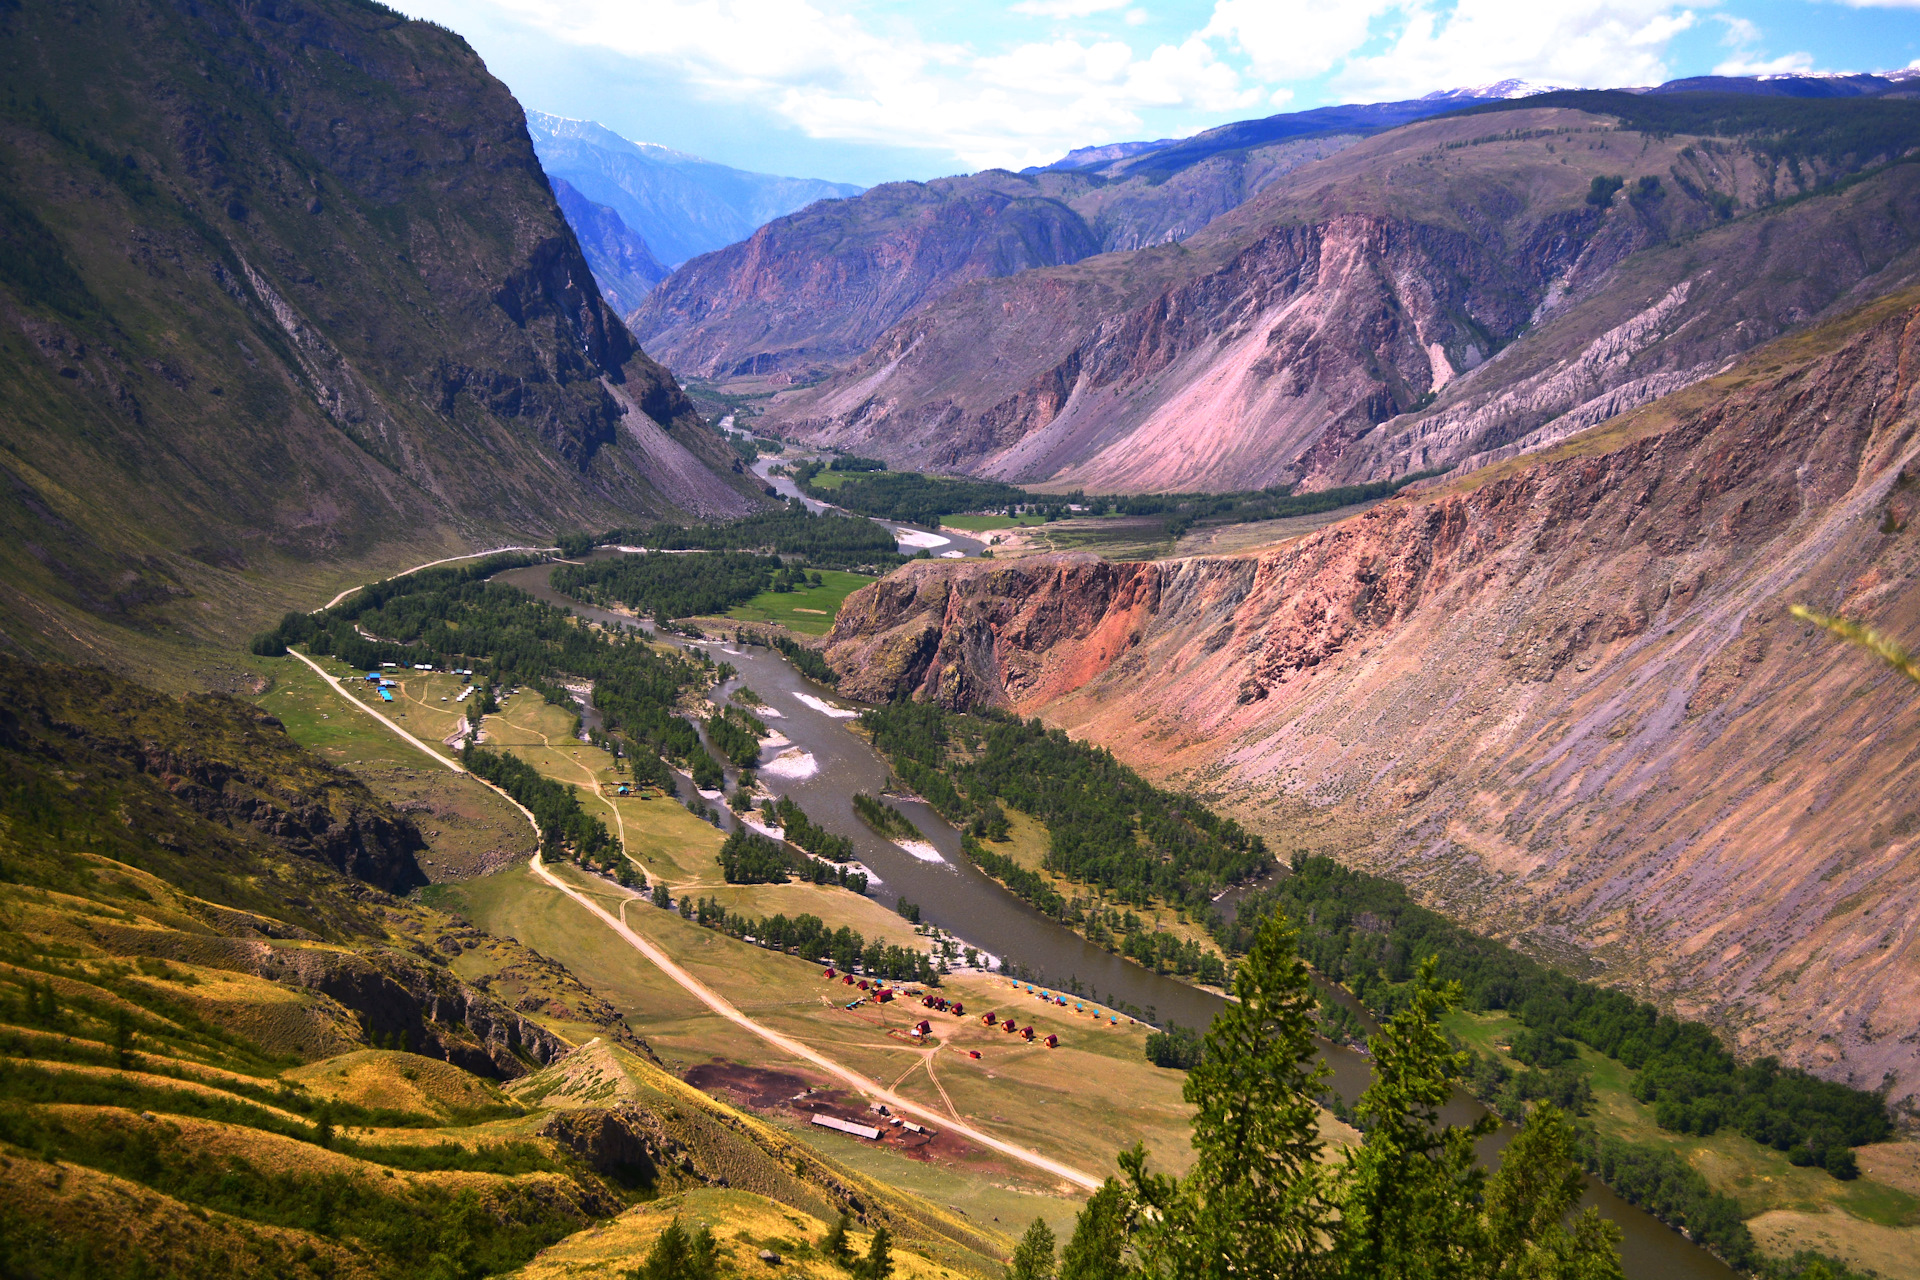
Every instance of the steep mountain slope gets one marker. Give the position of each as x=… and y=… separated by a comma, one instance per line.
x=681, y=204
x=285, y=287
x=810, y=291
x=622, y=263
x=1269, y=346
x=1562, y=698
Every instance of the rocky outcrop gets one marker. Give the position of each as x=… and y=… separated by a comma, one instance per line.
x=227, y=761
x=1563, y=701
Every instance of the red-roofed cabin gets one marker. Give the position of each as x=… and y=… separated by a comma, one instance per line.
x=1053, y=1042
x=865, y=985
x=883, y=995
x=989, y=1018
x=1008, y=1026
x=829, y=975
x=848, y=979
x=973, y=1053
x=924, y=1027
x=959, y=1010
x=1027, y=1032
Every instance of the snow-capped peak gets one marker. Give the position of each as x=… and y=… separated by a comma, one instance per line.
x=1498, y=89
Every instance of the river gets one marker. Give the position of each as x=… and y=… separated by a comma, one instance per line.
x=960, y=899
x=942, y=543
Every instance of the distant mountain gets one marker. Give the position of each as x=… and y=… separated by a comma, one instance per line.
x=1339, y=326
x=813, y=289
x=1499, y=89
x=623, y=265
x=1086, y=157
x=680, y=204
x=1902, y=83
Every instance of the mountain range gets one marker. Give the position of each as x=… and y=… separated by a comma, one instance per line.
x=1561, y=697
x=681, y=205
x=1317, y=298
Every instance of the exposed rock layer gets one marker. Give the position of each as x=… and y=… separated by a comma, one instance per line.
x=1432, y=295
x=1565, y=703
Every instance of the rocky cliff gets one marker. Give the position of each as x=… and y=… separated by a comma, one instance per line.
x=284, y=284
x=1420, y=299
x=1562, y=698
x=809, y=292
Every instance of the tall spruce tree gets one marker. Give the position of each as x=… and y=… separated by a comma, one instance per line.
x=1097, y=1250
x=1033, y=1256
x=1411, y=1191
x=1256, y=1202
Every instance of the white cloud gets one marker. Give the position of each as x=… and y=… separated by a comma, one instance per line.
x=1064, y=8
x=1746, y=63
x=1588, y=43
x=834, y=76
x=1293, y=39
x=1137, y=17
x=1744, y=38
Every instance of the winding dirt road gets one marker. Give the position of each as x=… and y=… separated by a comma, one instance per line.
x=787, y=1044
x=718, y=1003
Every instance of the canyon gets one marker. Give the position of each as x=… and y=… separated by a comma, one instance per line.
x=1560, y=697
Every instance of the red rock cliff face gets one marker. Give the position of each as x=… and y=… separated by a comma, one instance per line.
x=1568, y=706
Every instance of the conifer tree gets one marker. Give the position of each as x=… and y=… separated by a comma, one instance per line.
x=1033, y=1256
x=1410, y=1191
x=1097, y=1250
x=1256, y=1201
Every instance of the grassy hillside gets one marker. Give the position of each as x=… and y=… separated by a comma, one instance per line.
x=311, y=306
x=216, y=1049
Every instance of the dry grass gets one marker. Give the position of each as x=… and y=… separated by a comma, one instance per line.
x=742, y=1223
x=387, y=1079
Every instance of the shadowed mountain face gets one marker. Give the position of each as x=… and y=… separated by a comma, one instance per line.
x=284, y=284
x=1448, y=292
x=623, y=265
x=1561, y=699
x=682, y=205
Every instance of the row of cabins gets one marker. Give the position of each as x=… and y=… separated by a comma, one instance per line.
x=1025, y=1033
x=876, y=990
x=882, y=995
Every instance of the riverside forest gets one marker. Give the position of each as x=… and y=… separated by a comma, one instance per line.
x=1226, y=682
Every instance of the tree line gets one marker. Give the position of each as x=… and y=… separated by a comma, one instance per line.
x=827, y=541
x=455, y=617
x=697, y=584
x=1368, y=933
x=565, y=828
x=809, y=938
x=1107, y=826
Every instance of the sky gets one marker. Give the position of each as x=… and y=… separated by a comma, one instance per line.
x=869, y=91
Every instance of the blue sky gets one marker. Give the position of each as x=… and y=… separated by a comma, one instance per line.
x=872, y=90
